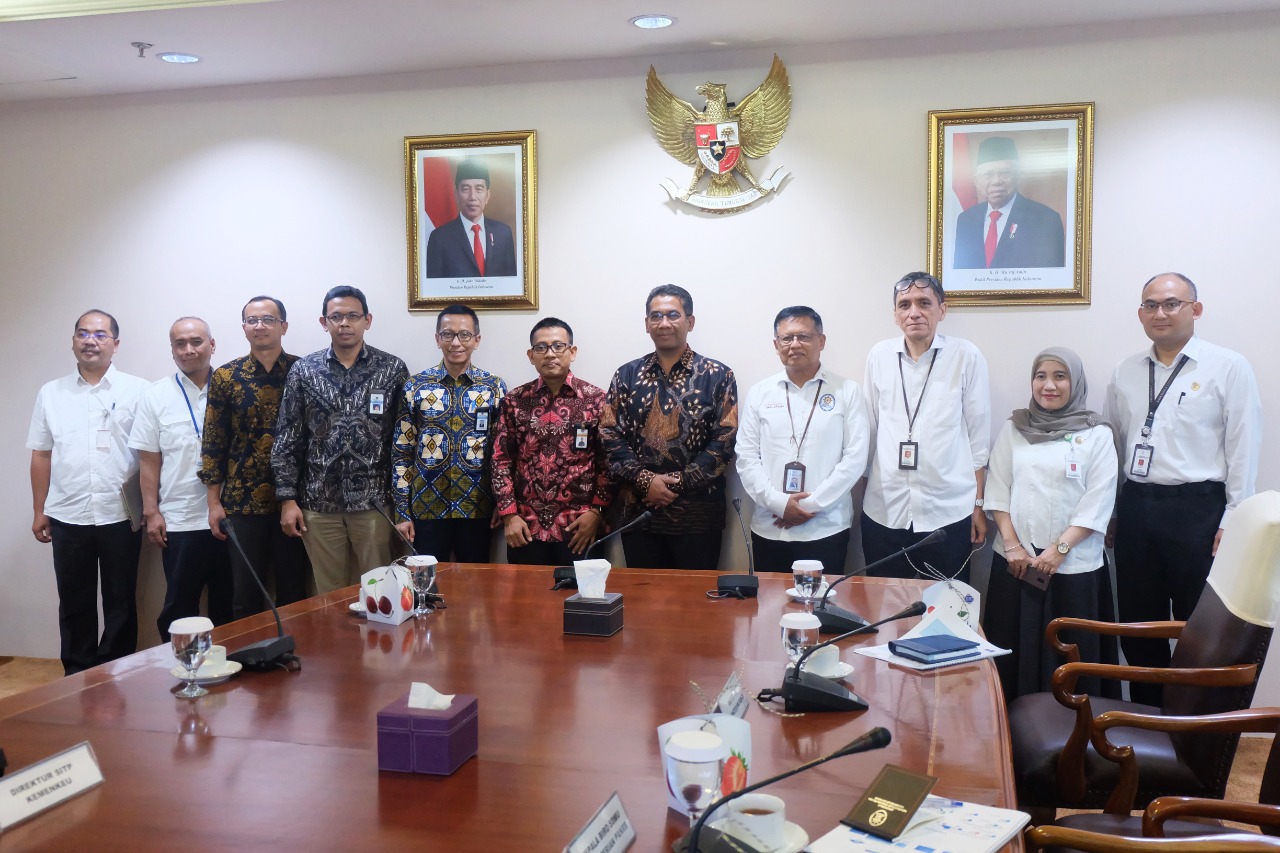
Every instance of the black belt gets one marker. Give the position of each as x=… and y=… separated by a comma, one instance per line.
x=1155, y=491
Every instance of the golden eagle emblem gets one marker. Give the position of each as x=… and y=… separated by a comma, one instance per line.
x=719, y=139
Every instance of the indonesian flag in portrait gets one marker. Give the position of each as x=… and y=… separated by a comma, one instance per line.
x=439, y=202
x=961, y=173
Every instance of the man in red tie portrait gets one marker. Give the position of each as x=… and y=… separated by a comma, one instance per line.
x=1005, y=229
x=471, y=245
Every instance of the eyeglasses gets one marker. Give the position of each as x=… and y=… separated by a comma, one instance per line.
x=1170, y=306
x=557, y=348
x=352, y=317
x=908, y=283
x=787, y=340
x=100, y=337
x=267, y=321
x=450, y=336
x=656, y=317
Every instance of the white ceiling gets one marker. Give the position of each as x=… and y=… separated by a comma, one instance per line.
x=315, y=39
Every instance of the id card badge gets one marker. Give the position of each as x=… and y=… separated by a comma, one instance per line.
x=1141, y=464
x=581, y=438
x=103, y=439
x=482, y=420
x=793, y=478
x=377, y=403
x=908, y=455
x=1074, y=471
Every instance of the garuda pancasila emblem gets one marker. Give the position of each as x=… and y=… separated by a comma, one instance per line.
x=719, y=139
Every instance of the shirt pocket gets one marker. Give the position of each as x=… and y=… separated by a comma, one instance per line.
x=176, y=433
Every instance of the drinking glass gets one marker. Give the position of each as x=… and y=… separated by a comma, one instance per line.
x=423, y=569
x=799, y=634
x=191, y=638
x=808, y=578
x=697, y=760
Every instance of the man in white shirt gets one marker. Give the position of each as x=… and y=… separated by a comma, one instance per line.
x=930, y=407
x=167, y=434
x=81, y=467
x=1190, y=424
x=802, y=444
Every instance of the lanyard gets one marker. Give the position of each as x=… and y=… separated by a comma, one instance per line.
x=911, y=416
x=190, y=410
x=816, y=394
x=1153, y=401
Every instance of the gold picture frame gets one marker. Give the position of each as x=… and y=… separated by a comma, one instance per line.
x=442, y=258
x=1034, y=163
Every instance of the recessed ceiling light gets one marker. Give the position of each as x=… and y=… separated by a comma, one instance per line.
x=653, y=22
x=179, y=58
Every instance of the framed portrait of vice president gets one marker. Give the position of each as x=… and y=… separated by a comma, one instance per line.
x=471, y=220
x=1010, y=204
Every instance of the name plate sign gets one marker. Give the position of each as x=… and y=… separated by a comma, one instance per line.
x=732, y=699
x=41, y=786
x=608, y=831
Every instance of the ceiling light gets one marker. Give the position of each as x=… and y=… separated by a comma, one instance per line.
x=653, y=22
x=179, y=58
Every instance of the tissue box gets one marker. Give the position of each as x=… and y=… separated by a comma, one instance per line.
x=593, y=617
x=414, y=740
x=387, y=593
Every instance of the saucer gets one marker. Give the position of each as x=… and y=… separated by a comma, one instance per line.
x=357, y=607
x=796, y=596
x=215, y=677
x=794, y=840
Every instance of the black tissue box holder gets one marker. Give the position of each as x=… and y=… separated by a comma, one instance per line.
x=593, y=617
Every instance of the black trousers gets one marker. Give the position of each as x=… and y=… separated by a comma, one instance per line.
x=275, y=555
x=646, y=550
x=1164, y=548
x=772, y=555
x=542, y=554
x=82, y=552
x=946, y=556
x=465, y=540
x=194, y=560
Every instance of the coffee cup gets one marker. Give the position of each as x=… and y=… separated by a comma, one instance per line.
x=214, y=662
x=759, y=820
x=825, y=662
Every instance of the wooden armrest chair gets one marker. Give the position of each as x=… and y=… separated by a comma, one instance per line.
x=1215, y=667
x=1060, y=839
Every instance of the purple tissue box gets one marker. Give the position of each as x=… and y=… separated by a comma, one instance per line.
x=412, y=740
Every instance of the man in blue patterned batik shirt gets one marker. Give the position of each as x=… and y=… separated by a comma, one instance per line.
x=440, y=474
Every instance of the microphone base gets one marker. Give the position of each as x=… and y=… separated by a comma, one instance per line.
x=837, y=620
x=812, y=692
x=746, y=585
x=564, y=577
x=264, y=655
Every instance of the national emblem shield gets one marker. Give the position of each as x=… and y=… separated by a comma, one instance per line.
x=718, y=145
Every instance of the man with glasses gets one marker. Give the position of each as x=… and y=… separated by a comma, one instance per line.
x=235, y=462
x=1005, y=228
x=332, y=456
x=471, y=244
x=440, y=477
x=802, y=447
x=668, y=426
x=930, y=405
x=1189, y=421
x=82, y=476
x=550, y=478
x=167, y=436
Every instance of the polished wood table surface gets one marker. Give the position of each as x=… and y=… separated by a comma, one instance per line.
x=287, y=761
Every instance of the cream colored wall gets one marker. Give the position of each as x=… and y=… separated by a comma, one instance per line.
x=189, y=203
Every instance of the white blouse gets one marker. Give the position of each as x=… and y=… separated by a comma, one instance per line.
x=1030, y=482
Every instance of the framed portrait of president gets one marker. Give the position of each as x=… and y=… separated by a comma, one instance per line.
x=471, y=205
x=1011, y=203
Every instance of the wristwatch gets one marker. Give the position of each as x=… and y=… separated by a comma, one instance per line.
x=1063, y=548
x=978, y=503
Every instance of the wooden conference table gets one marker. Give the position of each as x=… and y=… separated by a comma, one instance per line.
x=287, y=761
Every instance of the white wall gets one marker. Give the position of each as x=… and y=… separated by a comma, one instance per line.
x=156, y=206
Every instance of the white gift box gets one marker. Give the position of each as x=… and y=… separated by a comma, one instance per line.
x=387, y=593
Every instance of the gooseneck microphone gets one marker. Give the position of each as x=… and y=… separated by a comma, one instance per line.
x=564, y=576
x=377, y=504
x=877, y=738
x=265, y=654
x=806, y=691
x=837, y=620
x=740, y=586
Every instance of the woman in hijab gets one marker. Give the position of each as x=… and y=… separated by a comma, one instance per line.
x=1050, y=489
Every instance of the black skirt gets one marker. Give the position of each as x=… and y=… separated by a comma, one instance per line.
x=1015, y=615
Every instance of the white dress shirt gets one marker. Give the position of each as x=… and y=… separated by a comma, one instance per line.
x=953, y=430
x=87, y=428
x=471, y=235
x=1030, y=482
x=1208, y=427
x=834, y=452
x=166, y=426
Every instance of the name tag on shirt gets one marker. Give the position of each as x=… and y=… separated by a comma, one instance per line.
x=1074, y=470
x=482, y=420
x=377, y=403
x=793, y=478
x=104, y=439
x=908, y=455
x=1140, y=466
x=581, y=439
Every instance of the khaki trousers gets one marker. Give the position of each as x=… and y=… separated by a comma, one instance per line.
x=344, y=545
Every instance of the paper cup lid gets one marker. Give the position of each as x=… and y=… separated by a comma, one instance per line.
x=807, y=564
x=697, y=746
x=800, y=620
x=190, y=625
x=420, y=560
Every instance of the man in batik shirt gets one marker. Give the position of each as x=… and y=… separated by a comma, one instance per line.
x=440, y=472
x=668, y=427
x=550, y=478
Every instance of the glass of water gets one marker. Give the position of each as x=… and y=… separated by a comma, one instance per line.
x=799, y=634
x=808, y=578
x=697, y=761
x=191, y=638
x=423, y=569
